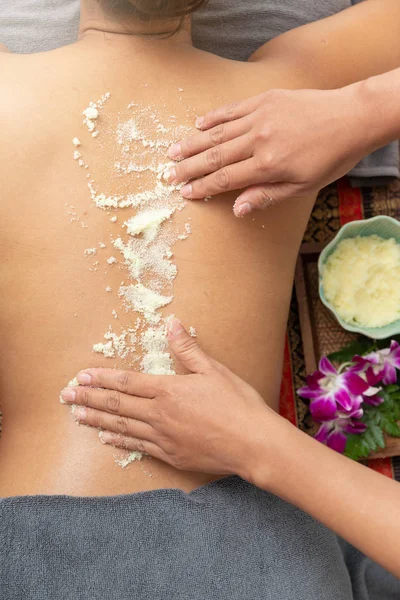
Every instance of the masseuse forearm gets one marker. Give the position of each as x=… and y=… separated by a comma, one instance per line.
x=355, y=502
x=350, y=46
x=379, y=100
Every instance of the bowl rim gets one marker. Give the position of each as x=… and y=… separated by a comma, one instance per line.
x=371, y=332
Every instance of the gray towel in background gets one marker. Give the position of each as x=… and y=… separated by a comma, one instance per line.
x=235, y=29
x=38, y=25
x=230, y=28
x=378, y=168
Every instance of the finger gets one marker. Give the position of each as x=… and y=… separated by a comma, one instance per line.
x=133, y=444
x=127, y=382
x=110, y=401
x=261, y=197
x=229, y=112
x=231, y=177
x=208, y=139
x=115, y=423
x=212, y=160
x=187, y=350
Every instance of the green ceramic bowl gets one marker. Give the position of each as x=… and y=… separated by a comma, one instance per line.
x=384, y=227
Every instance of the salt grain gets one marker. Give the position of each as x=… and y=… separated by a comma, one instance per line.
x=91, y=113
x=144, y=300
x=106, y=349
x=129, y=459
x=90, y=252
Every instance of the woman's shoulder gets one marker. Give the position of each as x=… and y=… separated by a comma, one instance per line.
x=29, y=83
x=30, y=107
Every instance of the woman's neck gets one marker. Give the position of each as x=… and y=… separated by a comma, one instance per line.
x=94, y=21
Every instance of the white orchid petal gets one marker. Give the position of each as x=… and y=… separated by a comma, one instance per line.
x=372, y=391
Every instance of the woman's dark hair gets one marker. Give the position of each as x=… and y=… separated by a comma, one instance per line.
x=147, y=10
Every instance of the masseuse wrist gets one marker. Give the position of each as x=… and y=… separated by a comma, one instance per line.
x=376, y=123
x=279, y=459
x=264, y=456
x=357, y=138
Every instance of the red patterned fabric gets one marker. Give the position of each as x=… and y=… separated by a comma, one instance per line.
x=287, y=406
x=350, y=202
x=383, y=466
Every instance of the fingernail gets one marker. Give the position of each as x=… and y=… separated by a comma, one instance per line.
x=170, y=175
x=187, y=190
x=68, y=395
x=243, y=209
x=175, y=151
x=79, y=412
x=199, y=122
x=84, y=378
x=105, y=437
x=176, y=329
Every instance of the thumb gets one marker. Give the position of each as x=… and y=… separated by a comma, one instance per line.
x=186, y=349
x=260, y=197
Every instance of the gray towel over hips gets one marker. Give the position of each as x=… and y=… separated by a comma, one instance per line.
x=224, y=541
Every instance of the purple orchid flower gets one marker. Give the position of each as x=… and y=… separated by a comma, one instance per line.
x=364, y=370
x=330, y=391
x=371, y=396
x=336, y=396
x=333, y=433
x=383, y=364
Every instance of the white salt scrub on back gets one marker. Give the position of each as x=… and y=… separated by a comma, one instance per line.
x=143, y=236
x=361, y=280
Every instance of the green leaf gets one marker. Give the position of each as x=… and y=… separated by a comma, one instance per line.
x=390, y=389
x=362, y=345
x=361, y=445
x=377, y=434
x=369, y=439
x=388, y=406
x=357, y=447
x=380, y=344
x=392, y=429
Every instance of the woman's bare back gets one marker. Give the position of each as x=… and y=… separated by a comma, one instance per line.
x=234, y=276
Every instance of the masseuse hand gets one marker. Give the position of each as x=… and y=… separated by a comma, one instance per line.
x=212, y=421
x=198, y=422
x=279, y=145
